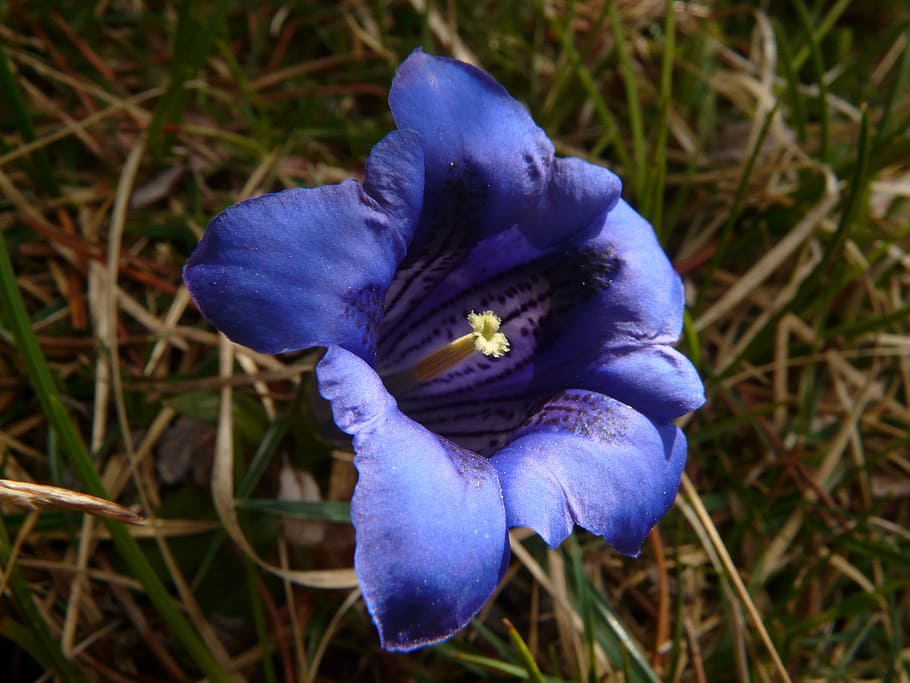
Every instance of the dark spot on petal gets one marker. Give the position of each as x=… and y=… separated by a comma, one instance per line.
x=586, y=414
x=365, y=307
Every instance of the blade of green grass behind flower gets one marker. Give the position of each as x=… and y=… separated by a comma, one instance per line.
x=509, y=662
x=818, y=65
x=266, y=450
x=34, y=634
x=651, y=201
x=832, y=266
x=610, y=137
x=820, y=30
x=558, y=102
x=192, y=39
x=11, y=95
x=524, y=653
x=324, y=511
x=17, y=319
x=260, y=624
x=724, y=241
x=633, y=113
x=603, y=626
x=888, y=126
x=799, y=114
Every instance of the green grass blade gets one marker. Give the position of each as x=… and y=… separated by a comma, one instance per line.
x=628, y=648
x=43, y=646
x=725, y=237
x=573, y=551
x=12, y=95
x=260, y=623
x=325, y=511
x=818, y=65
x=505, y=668
x=16, y=317
x=611, y=131
x=817, y=34
x=652, y=202
x=192, y=40
x=798, y=110
x=887, y=126
x=263, y=456
x=526, y=657
x=850, y=211
x=633, y=103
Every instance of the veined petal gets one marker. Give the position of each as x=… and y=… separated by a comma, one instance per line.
x=574, y=315
x=489, y=169
x=481, y=426
x=472, y=127
x=308, y=267
x=432, y=543
x=573, y=207
x=589, y=460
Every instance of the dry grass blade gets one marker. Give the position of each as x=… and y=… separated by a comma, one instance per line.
x=223, y=492
x=43, y=496
x=729, y=568
x=560, y=600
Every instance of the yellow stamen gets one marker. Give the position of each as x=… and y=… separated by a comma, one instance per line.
x=484, y=337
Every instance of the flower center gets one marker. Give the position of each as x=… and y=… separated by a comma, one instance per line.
x=484, y=338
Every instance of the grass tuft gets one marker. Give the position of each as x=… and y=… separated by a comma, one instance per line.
x=770, y=147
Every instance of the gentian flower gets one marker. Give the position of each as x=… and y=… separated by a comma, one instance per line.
x=498, y=326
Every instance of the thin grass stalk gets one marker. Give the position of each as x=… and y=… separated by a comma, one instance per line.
x=638, y=171
x=46, y=390
x=46, y=648
x=652, y=203
x=819, y=67
x=41, y=170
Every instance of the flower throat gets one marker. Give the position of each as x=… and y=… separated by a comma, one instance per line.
x=484, y=338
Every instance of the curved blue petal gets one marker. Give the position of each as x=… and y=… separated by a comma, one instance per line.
x=308, y=267
x=480, y=140
x=572, y=314
x=432, y=542
x=654, y=379
x=573, y=207
x=644, y=298
x=489, y=169
x=586, y=459
x=472, y=129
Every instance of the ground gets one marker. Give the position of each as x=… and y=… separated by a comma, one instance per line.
x=768, y=143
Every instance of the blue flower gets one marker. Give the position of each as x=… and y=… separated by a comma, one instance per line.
x=498, y=326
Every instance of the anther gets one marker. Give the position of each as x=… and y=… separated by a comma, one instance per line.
x=484, y=338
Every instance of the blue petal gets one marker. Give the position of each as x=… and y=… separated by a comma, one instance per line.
x=489, y=169
x=472, y=128
x=586, y=459
x=482, y=143
x=655, y=380
x=310, y=267
x=579, y=315
x=645, y=299
x=481, y=426
x=428, y=288
x=432, y=542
